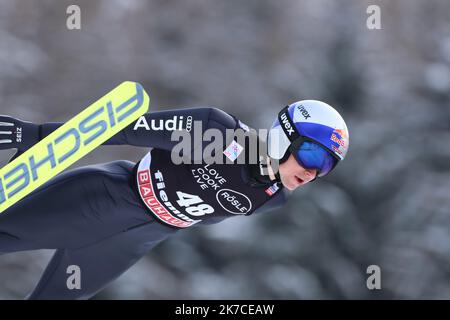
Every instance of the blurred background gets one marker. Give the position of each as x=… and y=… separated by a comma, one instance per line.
x=387, y=204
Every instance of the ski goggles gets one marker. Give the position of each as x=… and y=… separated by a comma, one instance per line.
x=311, y=155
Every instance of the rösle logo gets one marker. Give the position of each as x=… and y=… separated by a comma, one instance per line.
x=233, y=201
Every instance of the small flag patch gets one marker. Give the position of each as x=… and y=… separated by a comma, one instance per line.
x=272, y=189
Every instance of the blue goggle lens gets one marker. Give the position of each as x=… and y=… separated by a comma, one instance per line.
x=313, y=156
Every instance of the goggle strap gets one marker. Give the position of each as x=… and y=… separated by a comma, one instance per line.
x=288, y=125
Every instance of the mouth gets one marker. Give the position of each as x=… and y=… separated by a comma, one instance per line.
x=299, y=180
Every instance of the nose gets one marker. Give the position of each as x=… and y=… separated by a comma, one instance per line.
x=310, y=173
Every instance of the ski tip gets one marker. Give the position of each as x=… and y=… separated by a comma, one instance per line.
x=133, y=84
x=139, y=88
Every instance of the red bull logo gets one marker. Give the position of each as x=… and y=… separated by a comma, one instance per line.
x=342, y=133
x=340, y=137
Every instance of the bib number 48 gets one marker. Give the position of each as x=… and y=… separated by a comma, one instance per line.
x=194, y=204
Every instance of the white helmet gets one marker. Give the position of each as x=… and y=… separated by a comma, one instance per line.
x=309, y=121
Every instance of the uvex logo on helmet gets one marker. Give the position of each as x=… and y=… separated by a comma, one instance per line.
x=287, y=124
x=303, y=111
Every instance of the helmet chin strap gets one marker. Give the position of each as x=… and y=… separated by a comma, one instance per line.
x=271, y=172
x=263, y=173
x=277, y=176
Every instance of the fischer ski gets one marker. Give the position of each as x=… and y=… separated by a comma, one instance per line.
x=72, y=141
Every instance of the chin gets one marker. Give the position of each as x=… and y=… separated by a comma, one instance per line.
x=289, y=187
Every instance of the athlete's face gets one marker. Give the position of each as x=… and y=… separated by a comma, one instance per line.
x=293, y=175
